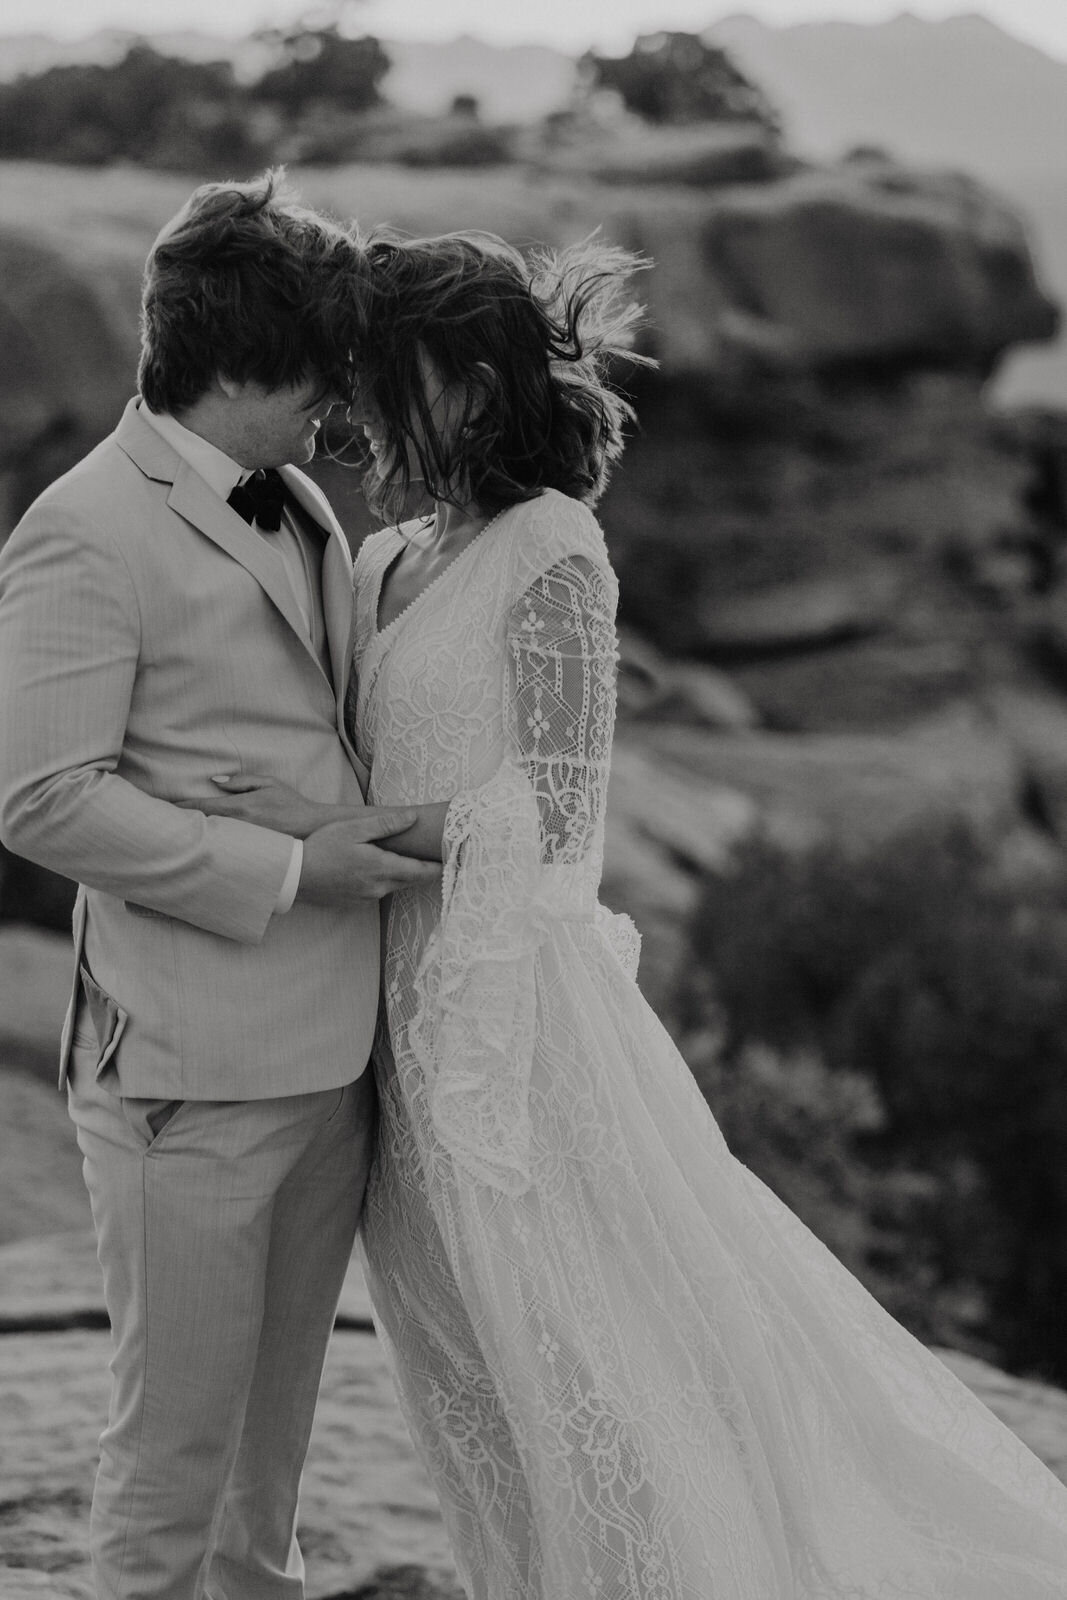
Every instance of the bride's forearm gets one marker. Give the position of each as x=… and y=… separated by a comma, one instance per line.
x=421, y=841
x=423, y=838
x=325, y=814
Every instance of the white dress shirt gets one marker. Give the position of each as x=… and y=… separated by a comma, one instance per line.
x=223, y=475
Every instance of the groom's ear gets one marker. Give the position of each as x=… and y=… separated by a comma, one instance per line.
x=486, y=387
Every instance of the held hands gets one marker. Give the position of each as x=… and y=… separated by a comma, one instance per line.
x=342, y=866
x=341, y=863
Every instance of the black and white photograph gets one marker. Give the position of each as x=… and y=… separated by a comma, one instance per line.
x=533, y=800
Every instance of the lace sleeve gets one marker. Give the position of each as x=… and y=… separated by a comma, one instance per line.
x=521, y=855
x=561, y=701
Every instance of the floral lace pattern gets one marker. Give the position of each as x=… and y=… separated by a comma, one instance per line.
x=631, y=1372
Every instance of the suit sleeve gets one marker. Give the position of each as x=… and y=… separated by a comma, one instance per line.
x=69, y=649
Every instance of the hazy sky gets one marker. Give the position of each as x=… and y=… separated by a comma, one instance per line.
x=567, y=24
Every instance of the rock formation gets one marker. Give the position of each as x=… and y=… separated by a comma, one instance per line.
x=842, y=588
x=863, y=264
x=817, y=499
x=69, y=331
x=369, y=1522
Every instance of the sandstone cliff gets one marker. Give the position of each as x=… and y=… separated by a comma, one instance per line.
x=818, y=500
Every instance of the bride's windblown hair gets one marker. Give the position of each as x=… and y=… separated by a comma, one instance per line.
x=524, y=343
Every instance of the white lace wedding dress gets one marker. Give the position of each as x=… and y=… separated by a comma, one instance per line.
x=630, y=1370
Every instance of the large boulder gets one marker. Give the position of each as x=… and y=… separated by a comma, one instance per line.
x=855, y=789
x=69, y=329
x=812, y=613
x=701, y=156
x=846, y=514
x=869, y=263
x=862, y=264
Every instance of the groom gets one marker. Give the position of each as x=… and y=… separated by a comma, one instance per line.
x=170, y=610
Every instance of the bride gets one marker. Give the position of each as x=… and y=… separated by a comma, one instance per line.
x=630, y=1370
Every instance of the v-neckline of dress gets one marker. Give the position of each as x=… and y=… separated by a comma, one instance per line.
x=383, y=633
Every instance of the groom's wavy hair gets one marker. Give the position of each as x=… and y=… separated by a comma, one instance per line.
x=527, y=346
x=246, y=283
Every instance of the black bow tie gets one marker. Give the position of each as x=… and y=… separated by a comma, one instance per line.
x=260, y=500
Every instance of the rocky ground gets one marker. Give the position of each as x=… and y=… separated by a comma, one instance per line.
x=369, y=1523
x=366, y=1508
x=369, y=1520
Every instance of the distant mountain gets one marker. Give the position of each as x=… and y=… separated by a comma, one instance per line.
x=961, y=92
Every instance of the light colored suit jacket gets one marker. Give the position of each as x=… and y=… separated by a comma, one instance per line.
x=149, y=638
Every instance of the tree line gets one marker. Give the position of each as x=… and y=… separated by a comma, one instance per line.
x=322, y=100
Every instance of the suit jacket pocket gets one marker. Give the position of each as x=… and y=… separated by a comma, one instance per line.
x=108, y=1018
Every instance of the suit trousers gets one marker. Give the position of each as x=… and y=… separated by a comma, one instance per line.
x=224, y=1231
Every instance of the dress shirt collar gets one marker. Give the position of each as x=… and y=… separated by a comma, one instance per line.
x=215, y=467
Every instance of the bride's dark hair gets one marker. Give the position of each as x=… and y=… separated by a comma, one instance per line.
x=526, y=342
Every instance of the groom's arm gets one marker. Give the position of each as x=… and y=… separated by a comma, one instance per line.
x=69, y=647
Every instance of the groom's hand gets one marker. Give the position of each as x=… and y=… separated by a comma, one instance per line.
x=342, y=866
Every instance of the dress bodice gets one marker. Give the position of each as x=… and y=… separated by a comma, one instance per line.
x=429, y=706
x=500, y=675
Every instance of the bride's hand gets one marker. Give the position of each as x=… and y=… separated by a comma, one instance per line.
x=266, y=801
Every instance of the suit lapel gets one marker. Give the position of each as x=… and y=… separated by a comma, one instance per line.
x=192, y=499
x=337, y=606
x=339, y=611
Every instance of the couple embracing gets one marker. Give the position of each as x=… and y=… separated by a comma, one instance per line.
x=630, y=1371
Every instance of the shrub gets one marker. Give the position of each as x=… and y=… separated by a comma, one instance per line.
x=320, y=65
x=812, y=1135
x=678, y=78
x=160, y=110
x=133, y=110
x=917, y=972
